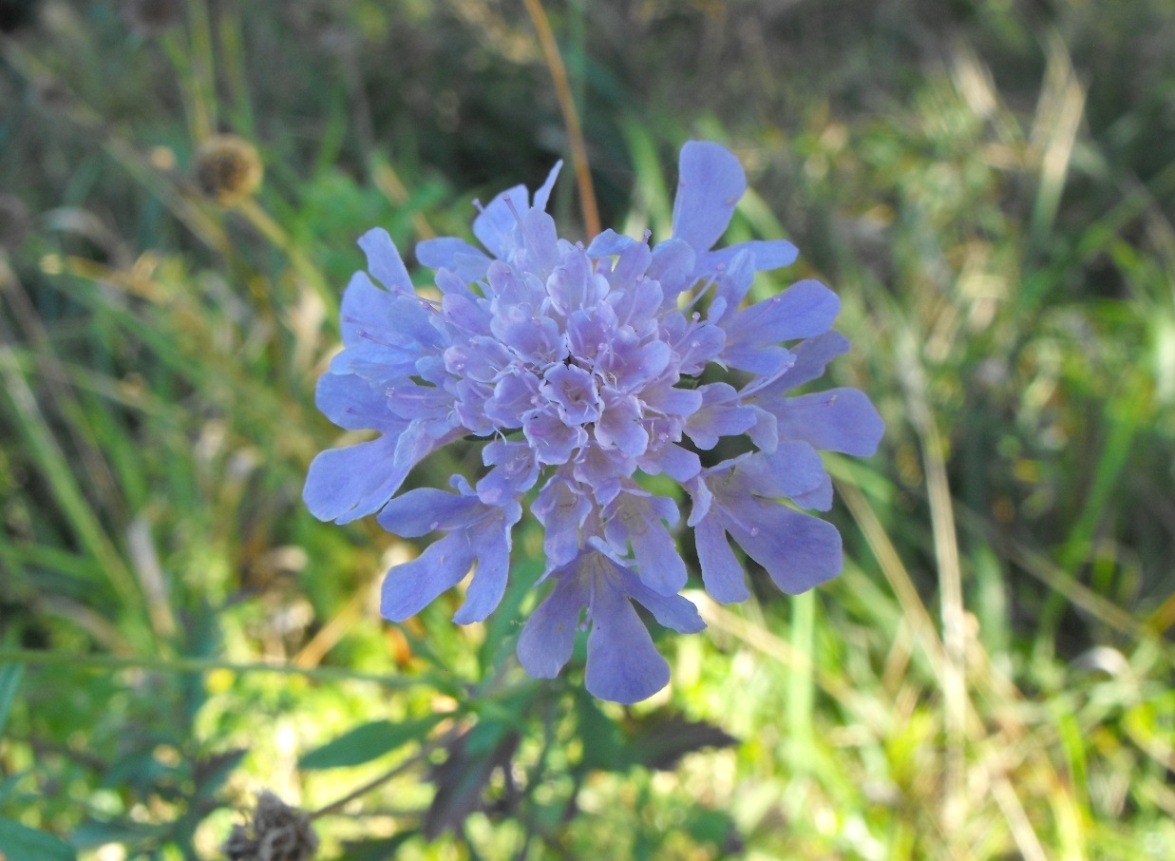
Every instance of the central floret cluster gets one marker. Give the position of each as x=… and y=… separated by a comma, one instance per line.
x=582, y=368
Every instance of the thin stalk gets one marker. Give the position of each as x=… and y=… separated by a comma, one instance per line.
x=779, y=649
x=56, y=382
x=203, y=68
x=236, y=78
x=200, y=666
x=946, y=551
x=800, y=683
x=276, y=234
x=420, y=756
x=55, y=465
x=579, y=159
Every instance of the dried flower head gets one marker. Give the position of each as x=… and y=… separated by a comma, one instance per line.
x=278, y=832
x=228, y=169
x=584, y=369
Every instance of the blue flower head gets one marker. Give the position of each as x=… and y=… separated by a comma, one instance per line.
x=582, y=368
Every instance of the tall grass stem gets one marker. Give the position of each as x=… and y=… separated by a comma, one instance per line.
x=946, y=551
x=579, y=158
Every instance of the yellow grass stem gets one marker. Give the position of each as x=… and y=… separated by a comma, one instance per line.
x=202, y=67
x=946, y=551
x=275, y=233
x=579, y=159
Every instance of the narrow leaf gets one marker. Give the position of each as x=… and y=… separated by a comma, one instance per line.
x=367, y=742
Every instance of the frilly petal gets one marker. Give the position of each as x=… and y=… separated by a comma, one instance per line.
x=798, y=551
x=344, y=484
x=424, y=510
x=544, y=191
x=792, y=470
x=495, y=227
x=491, y=541
x=355, y=403
x=841, y=420
x=720, y=415
x=384, y=261
x=722, y=574
x=623, y=665
x=672, y=611
x=562, y=508
x=548, y=637
x=409, y=588
x=638, y=520
x=456, y=255
x=710, y=183
x=767, y=253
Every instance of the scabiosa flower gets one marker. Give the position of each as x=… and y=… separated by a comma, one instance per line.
x=582, y=369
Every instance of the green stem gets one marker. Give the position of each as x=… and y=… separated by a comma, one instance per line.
x=182, y=664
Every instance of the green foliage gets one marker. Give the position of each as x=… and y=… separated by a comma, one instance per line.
x=987, y=186
x=27, y=844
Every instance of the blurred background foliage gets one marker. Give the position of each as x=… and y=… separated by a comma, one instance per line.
x=989, y=186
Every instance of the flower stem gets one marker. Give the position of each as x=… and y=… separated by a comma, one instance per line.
x=420, y=756
x=579, y=159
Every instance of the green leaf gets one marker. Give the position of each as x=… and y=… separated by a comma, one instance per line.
x=602, y=744
x=97, y=832
x=367, y=742
x=22, y=843
x=715, y=827
x=10, y=676
x=211, y=771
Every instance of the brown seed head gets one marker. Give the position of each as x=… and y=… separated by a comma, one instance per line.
x=278, y=833
x=228, y=169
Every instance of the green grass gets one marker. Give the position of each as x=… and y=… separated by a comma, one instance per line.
x=988, y=190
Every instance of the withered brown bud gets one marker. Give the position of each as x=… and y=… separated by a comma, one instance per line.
x=278, y=832
x=228, y=169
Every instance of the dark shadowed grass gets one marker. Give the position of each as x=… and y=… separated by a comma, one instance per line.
x=987, y=188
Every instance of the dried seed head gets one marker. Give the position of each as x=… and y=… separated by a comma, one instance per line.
x=240, y=846
x=278, y=832
x=228, y=169
x=150, y=18
x=283, y=833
